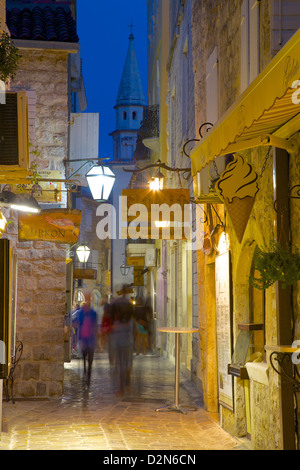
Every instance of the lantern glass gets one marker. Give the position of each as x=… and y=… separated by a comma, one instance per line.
x=100, y=180
x=124, y=269
x=83, y=253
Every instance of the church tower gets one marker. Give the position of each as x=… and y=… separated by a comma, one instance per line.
x=129, y=108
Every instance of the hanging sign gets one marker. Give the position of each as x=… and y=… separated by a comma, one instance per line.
x=135, y=261
x=238, y=187
x=138, y=277
x=161, y=215
x=59, y=226
x=84, y=273
x=43, y=191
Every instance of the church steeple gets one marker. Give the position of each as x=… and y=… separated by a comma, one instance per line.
x=131, y=88
x=129, y=107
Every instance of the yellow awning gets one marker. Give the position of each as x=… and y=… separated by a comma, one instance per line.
x=264, y=114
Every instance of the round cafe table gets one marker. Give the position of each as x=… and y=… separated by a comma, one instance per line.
x=178, y=330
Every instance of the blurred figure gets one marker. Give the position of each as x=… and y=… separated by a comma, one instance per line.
x=142, y=327
x=87, y=319
x=150, y=321
x=75, y=330
x=121, y=337
x=105, y=325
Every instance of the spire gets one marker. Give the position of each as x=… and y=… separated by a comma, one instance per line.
x=131, y=88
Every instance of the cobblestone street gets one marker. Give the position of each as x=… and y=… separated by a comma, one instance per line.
x=98, y=419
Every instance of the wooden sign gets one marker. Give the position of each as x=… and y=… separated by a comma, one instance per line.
x=159, y=215
x=84, y=273
x=138, y=277
x=43, y=191
x=135, y=261
x=59, y=226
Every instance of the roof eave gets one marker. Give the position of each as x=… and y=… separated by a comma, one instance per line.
x=69, y=47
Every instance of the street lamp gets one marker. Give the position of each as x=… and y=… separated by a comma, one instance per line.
x=100, y=180
x=20, y=202
x=124, y=269
x=83, y=253
x=157, y=182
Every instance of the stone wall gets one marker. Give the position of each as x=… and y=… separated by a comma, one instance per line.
x=40, y=314
x=41, y=266
x=217, y=23
x=3, y=15
x=46, y=73
x=182, y=297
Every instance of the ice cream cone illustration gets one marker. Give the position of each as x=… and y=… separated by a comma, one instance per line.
x=237, y=187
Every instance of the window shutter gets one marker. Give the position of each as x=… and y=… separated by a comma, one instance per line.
x=14, y=130
x=31, y=96
x=212, y=87
x=212, y=115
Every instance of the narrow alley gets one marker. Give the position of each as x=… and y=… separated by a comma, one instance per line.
x=97, y=419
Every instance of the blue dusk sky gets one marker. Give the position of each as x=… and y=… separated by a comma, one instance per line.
x=103, y=30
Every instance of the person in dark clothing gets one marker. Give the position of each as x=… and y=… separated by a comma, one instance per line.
x=87, y=319
x=122, y=338
x=142, y=327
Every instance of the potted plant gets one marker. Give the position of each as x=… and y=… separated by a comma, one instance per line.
x=276, y=263
x=9, y=58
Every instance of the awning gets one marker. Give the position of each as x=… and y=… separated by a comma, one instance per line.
x=265, y=114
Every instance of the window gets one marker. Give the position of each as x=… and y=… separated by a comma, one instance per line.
x=212, y=114
x=134, y=115
x=124, y=115
x=249, y=42
x=285, y=20
x=212, y=87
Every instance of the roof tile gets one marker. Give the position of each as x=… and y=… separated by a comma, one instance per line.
x=42, y=24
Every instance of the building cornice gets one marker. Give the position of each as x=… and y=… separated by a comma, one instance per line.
x=69, y=47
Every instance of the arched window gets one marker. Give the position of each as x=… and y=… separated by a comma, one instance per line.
x=134, y=115
x=124, y=115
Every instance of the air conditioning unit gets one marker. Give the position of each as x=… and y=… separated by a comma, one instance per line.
x=14, y=148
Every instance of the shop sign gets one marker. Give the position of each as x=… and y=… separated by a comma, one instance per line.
x=42, y=191
x=107, y=278
x=161, y=215
x=138, y=277
x=54, y=225
x=84, y=273
x=135, y=261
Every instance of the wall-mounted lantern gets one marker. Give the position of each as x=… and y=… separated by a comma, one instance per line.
x=100, y=180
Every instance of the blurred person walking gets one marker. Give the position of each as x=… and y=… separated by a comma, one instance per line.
x=121, y=337
x=142, y=327
x=87, y=319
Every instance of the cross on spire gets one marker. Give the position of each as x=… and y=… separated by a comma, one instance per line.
x=131, y=26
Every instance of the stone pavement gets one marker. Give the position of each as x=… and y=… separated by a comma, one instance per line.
x=98, y=419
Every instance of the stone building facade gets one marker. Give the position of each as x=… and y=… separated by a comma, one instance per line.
x=41, y=266
x=258, y=402
x=170, y=85
x=3, y=15
x=220, y=55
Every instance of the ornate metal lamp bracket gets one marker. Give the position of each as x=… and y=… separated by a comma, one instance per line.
x=287, y=369
x=201, y=136
x=159, y=165
x=294, y=193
